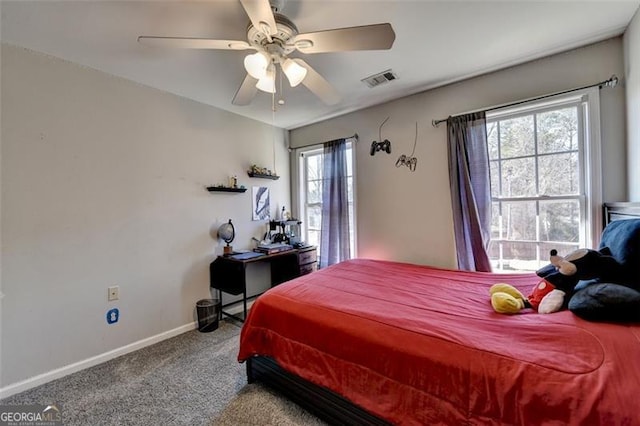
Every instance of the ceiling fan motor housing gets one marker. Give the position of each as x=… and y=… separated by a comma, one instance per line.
x=279, y=44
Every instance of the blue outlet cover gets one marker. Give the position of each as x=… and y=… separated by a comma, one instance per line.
x=113, y=315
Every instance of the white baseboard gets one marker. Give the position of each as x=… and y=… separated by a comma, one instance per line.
x=43, y=378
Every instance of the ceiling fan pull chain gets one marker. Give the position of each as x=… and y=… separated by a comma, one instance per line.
x=273, y=131
x=281, y=100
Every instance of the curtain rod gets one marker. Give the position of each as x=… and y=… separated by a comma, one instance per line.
x=611, y=82
x=354, y=136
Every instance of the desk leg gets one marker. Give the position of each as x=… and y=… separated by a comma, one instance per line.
x=244, y=302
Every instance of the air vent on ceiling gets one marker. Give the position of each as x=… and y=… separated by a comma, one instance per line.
x=380, y=78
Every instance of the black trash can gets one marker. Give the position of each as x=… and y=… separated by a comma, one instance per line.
x=208, y=313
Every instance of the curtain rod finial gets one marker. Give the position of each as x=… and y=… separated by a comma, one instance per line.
x=613, y=81
x=434, y=123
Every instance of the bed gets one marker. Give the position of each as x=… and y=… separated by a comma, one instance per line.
x=378, y=342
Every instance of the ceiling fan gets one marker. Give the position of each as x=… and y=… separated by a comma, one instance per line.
x=273, y=36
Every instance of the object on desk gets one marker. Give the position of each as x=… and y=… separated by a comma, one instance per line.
x=246, y=255
x=227, y=232
x=273, y=248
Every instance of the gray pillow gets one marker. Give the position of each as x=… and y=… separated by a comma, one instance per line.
x=606, y=302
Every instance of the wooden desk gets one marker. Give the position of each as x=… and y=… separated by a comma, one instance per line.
x=228, y=274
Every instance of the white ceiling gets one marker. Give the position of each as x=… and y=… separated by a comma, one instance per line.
x=437, y=42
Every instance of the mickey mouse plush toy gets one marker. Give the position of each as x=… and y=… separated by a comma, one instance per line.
x=559, y=279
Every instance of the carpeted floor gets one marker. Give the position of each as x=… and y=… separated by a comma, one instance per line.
x=191, y=379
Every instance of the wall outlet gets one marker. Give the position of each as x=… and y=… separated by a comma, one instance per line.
x=114, y=293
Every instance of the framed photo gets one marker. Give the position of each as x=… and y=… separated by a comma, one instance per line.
x=260, y=203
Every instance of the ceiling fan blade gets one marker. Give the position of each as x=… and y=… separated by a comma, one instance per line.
x=246, y=92
x=367, y=37
x=260, y=14
x=194, y=43
x=318, y=85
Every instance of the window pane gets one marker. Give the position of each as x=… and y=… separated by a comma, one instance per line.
x=559, y=174
x=492, y=139
x=558, y=130
x=537, y=157
x=314, y=217
x=314, y=167
x=494, y=173
x=516, y=137
x=560, y=221
x=519, y=220
x=518, y=178
x=494, y=254
x=314, y=191
x=313, y=238
x=495, y=220
x=519, y=256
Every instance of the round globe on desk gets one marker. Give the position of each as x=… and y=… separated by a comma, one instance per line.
x=227, y=233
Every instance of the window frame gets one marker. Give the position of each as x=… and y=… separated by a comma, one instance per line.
x=300, y=193
x=587, y=102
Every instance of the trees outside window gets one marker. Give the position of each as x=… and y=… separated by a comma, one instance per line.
x=542, y=182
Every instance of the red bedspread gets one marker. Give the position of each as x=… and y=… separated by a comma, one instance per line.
x=418, y=345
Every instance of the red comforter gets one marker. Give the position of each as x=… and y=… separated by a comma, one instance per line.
x=418, y=345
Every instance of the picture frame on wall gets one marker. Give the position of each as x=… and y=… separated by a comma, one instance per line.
x=260, y=203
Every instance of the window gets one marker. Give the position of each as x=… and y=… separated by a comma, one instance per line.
x=310, y=184
x=545, y=180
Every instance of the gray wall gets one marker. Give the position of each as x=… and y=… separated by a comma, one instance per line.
x=103, y=184
x=632, y=80
x=407, y=216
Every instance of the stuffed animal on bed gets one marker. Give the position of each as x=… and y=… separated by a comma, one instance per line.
x=559, y=279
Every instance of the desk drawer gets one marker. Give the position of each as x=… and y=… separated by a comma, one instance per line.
x=307, y=256
x=308, y=268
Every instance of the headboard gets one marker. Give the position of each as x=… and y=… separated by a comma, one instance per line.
x=620, y=211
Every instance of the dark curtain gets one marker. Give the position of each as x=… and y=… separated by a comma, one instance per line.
x=470, y=189
x=334, y=234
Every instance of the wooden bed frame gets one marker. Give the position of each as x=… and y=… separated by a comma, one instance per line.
x=332, y=407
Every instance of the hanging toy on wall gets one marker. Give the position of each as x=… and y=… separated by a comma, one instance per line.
x=385, y=145
x=409, y=160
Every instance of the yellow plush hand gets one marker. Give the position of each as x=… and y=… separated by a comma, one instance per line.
x=504, y=303
x=506, y=299
x=506, y=288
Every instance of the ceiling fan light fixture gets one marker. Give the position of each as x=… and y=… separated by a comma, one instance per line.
x=268, y=82
x=295, y=72
x=256, y=64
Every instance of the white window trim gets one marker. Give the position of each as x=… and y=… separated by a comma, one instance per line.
x=592, y=151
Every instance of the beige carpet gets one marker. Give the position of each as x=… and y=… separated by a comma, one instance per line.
x=191, y=379
x=256, y=405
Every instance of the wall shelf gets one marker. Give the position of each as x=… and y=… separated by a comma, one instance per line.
x=224, y=189
x=261, y=176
